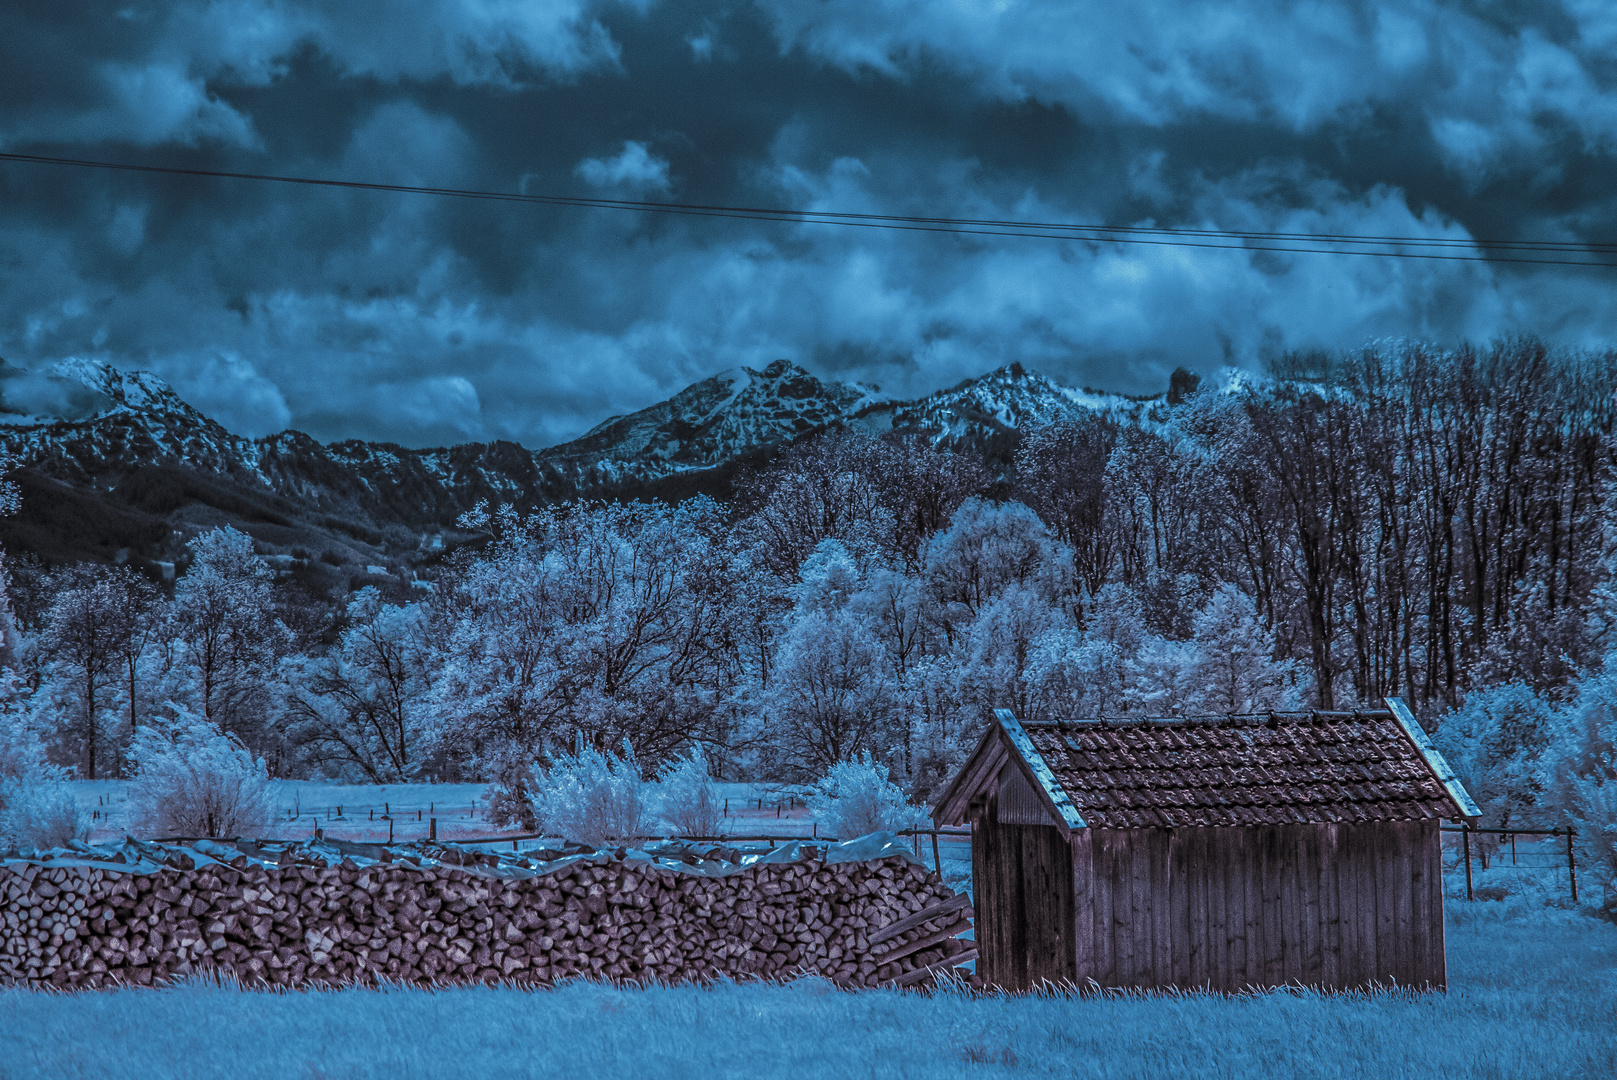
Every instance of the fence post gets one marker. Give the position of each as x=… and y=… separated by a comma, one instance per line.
x=1572, y=862
x=937, y=860
x=432, y=829
x=1466, y=835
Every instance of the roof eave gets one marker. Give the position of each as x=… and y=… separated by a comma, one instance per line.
x=1435, y=761
x=940, y=817
x=1062, y=810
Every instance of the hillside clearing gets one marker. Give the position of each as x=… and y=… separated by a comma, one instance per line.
x=1530, y=996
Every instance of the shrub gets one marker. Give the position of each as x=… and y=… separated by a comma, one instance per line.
x=39, y=811
x=690, y=801
x=194, y=780
x=510, y=800
x=856, y=798
x=591, y=797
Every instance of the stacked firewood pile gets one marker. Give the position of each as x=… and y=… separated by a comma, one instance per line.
x=299, y=917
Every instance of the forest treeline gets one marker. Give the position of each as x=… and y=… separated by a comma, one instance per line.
x=1431, y=523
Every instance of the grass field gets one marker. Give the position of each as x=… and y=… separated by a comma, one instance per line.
x=360, y=811
x=1532, y=994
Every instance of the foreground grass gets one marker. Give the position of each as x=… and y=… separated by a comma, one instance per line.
x=1528, y=998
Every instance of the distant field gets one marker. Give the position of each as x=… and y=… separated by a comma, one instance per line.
x=359, y=812
x=1530, y=997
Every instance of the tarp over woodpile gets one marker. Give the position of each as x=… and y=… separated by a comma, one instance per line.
x=131, y=856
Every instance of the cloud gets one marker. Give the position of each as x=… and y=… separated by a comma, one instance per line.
x=229, y=388
x=1301, y=66
x=430, y=320
x=633, y=169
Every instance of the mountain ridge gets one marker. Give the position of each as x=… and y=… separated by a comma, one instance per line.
x=132, y=452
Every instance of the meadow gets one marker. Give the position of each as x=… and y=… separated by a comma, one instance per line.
x=1531, y=995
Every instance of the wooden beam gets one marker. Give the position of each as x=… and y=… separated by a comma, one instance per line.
x=924, y=942
x=939, y=968
x=984, y=761
x=925, y=915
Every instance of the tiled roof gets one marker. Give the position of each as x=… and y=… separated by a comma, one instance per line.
x=1241, y=770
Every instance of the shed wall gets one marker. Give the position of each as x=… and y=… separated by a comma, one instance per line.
x=1022, y=884
x=1336, y=906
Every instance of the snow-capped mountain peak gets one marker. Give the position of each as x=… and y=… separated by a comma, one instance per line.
x=711, y=422
x=974, y=413
x=139, y=391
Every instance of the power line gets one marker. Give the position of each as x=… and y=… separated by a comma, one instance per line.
x=1446, y=249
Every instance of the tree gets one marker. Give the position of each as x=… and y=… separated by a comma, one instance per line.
x=1235, y=670
x=1583, y=776
x=229, y=640
x=363, y=705
x=987, y=548
x=614, y=621
x=37, y=808
x=832, y=697
x=690, y=800
x=1499, y=743
x=591, y=797
x=83, y=631
x=997, y=669
x=1061, y=475
x=856, y=798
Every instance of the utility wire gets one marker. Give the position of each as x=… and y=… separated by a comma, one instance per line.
x=1447, y=249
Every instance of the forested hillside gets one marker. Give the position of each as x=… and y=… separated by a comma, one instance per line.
x=1404, y=520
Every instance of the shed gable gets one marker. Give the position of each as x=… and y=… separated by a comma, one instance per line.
x=1019, y=804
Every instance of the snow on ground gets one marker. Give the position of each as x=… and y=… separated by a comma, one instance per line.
x=1528, y=998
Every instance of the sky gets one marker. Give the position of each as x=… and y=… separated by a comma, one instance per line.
x=429, y=321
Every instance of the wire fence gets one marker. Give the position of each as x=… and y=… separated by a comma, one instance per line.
x=1545, y=852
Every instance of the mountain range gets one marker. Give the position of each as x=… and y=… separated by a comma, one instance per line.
x=114, y=466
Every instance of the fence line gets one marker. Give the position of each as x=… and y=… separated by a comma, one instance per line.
x=1466, y=830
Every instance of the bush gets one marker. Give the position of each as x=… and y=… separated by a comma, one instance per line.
x=37, y=808
x=690, y=801
x=194, y=780
x=591, y=797
x=510, y=800
x=39, y=811
x=856, y=798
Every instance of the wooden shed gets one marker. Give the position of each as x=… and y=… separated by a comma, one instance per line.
x=1224, y=852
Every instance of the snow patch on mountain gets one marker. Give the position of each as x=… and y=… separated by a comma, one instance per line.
x=709, y=423
x=136, y=390
x=973, y=413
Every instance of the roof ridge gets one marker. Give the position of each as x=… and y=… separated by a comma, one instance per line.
x=1314, y=715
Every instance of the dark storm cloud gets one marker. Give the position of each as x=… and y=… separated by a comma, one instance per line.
x=352, y=314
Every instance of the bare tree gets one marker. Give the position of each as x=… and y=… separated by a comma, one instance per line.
x=81, y=638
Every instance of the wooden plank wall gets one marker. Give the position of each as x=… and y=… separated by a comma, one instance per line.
x=1335, y=906
x=1022, y=883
